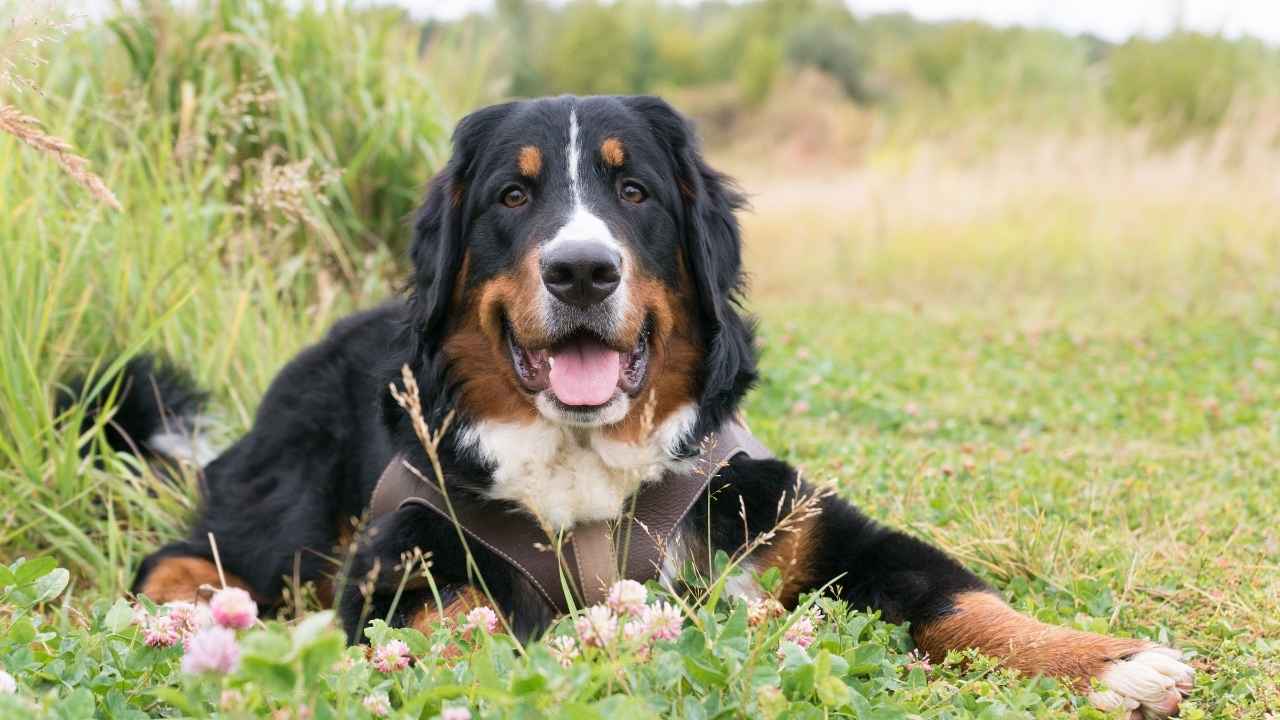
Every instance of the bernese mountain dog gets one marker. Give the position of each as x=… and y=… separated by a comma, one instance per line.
x=573, y=326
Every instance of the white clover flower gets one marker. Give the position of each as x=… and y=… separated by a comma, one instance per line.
x=391, y=657
x=483, y=618
x=212, y=650
x=597, y=626
x=664, y=621
x=802, y=632
x=564, y=649
x=233, y=608
x=161, y=631
x=627, y=597
x=378, y=705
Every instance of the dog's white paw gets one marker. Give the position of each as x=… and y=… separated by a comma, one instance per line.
x=1149, y=684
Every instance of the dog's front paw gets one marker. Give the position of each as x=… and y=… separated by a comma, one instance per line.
x=1149, y=684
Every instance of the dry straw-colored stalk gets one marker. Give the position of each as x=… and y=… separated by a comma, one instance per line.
x=19, y=45
x=28, y=130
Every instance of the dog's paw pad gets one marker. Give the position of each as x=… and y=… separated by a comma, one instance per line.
x=1149, y=684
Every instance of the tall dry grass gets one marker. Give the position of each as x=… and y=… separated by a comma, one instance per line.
x=20, y=45
x=27, y=129
x=1095, y=227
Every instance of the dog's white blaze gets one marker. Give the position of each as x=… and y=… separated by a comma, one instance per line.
x=574, y=154
x=565, y=475
x=581, y=223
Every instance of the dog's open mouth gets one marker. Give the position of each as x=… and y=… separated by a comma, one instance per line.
x=582, y=370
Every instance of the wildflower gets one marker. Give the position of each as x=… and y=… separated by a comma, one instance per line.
x=564, y=649
x=636, y=634
x=188, y=619
x=8, y=685
x=635, y=631
x=664, y=621
x=391, y=657
x=212, y=650
x=378, y=705
x=627, y=597
x=801, y=632
x=455, y=713
x=483, y=618
x=918, y=660
x=160, y=631
x=597, y=626
x=233, y=608
x=762, y=611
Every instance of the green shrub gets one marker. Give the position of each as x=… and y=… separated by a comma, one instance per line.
x=591, y=54
x=758, y=69
x=973, y=67
x=829, y=43
x=1182, y=84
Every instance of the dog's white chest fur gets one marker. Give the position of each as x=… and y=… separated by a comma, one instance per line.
x=566, y=475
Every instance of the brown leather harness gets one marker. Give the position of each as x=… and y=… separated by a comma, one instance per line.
x=592, y=555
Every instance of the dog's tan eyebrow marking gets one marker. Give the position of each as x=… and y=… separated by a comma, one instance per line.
x=612, y=152
x=530, y=161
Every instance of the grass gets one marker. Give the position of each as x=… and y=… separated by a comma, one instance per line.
x=1058, y=358
x=1072, y=385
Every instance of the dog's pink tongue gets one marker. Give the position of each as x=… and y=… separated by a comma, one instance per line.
x=585, y=372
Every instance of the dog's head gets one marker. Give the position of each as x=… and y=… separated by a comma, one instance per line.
x=579, y=261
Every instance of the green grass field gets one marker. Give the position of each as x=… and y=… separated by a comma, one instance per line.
x=1059, y=360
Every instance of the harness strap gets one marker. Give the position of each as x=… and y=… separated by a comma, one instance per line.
x=597, y=560
x=590, y=553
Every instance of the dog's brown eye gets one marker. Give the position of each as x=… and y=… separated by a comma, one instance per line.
x=514, y=197
x=632, y=192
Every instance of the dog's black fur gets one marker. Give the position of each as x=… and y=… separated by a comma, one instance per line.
x=278, y=498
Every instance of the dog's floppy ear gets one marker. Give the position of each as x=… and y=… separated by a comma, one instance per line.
x=712, y=248
x=440, y=229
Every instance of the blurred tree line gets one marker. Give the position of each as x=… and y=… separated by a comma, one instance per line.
x=1176, y=85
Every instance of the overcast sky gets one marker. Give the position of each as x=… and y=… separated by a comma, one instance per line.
x=1112, y=19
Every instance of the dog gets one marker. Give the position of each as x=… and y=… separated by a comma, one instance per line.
x=574, y=331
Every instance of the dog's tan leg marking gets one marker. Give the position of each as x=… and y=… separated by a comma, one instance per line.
x=180, y=579
x=467, y=600
x=1133, y=674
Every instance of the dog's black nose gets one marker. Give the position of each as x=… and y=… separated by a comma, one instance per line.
x=581, y=272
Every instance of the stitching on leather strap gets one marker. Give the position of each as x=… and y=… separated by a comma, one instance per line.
x=423, y=502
